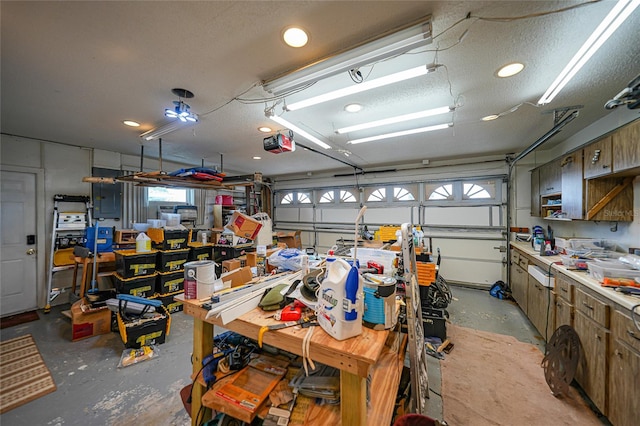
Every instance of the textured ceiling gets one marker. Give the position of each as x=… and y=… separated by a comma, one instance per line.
x=72, y=71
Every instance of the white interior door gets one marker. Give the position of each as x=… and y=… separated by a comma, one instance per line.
x=18, y=254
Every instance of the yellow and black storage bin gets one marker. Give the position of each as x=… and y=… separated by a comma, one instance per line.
x=150, y=327
x=169, y=302
x=143, y=286
x=130, y=263
x=171, y=260
x=200, y=251
x=169, y=239
x=169, y=282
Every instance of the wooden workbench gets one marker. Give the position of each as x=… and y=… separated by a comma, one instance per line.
x=369, y=354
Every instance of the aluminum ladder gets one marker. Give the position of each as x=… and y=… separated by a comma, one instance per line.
x=58, y=228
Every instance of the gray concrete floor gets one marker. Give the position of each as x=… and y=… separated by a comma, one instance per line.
x=93, y=391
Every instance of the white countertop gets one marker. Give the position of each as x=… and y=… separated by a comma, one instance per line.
x=582, y=277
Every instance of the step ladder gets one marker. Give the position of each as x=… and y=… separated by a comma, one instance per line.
x=65, y=225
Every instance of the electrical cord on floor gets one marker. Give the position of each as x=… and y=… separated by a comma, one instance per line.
x=432, y=391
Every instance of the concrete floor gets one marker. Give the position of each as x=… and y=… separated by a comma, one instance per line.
x=93, y=391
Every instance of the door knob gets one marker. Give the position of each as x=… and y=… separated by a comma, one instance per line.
x=31, y=251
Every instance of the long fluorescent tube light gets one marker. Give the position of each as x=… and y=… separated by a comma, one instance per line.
x=165, y=129
x=402, y=133
x=362, y=87
x=608, y=26
x=396, y=119
x=388, y=45
x=298, y=131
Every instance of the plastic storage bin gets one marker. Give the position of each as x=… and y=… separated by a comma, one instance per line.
x=169, y=239
x=171, y=260
x=169, y=282
x=137, y=286
x=130, y=263
x=136, y=332
x=601, y=269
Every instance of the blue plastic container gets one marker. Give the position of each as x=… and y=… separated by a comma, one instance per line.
x=105, y=239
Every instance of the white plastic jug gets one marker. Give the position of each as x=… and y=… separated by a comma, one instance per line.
x=340, y=313
x=143, y=243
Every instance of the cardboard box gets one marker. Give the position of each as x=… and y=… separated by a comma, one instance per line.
x=251, y=259
x=238, y=276
x=244, y=226
x=291, y=239
x=230, y=265
x=87, y=322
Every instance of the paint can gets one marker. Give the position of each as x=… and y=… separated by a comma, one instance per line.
x=199, y=279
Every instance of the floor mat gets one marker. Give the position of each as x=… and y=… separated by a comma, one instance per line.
x=12, y=320
x=23, y=374
x=493, y=379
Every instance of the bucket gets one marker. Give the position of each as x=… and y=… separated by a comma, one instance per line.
x=199, y=279
x=143, y=243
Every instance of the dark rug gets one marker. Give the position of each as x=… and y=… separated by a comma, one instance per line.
x=12, y=320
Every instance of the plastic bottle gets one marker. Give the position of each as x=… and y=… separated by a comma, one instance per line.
x=143, y=243
x=261, y=254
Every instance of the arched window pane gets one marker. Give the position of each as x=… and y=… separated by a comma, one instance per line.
x=303, y=199
x=444, y=192
x=379, y=194
x=347, y=197
x=474, y=192
x=402, y=194
x=327, y=197
x=287, y=199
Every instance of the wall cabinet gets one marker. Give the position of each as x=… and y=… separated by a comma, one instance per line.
x=572, y=185
x=624, y=371
x=598, y=158
x=626, y=148
x=551, y=177
x=535, y=192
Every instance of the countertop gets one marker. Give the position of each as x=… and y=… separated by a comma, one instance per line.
x=582, y=277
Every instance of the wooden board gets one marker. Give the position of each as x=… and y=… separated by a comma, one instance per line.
x=417, y=355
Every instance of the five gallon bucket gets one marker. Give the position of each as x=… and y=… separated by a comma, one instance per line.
x=199, y=279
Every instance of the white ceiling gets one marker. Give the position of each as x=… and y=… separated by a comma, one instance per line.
x=73, y=71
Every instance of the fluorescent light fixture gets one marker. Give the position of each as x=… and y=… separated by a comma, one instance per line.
x=362, y=87
x=165, y=129
x=393, y=120
x=402, y=133
x=298, y=131
x=388, y=45
x=608, y=26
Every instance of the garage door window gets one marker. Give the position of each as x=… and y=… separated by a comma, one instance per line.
x=295, y=198
x=344, y=197
x=474, y=191
x=441, y=192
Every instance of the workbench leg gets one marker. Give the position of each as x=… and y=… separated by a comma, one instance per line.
x=353, y=399
x=202, y=345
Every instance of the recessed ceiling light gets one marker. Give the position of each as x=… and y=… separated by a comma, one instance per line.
x=257, y=158
x=295, y=37
x=510, y=69
x=131, y=123
x=265, y=129
x=490, y=117
x=353, y=107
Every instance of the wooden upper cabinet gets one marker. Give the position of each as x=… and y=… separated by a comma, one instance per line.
x=598, y=158
x=551, y=177
x=535, y=192
x=572, y=185
x=626, y=147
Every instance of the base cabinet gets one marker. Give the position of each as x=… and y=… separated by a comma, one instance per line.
x=540, y=308
x=592, y=368
x=564, y=312
x=624, y=371
x=519, y=286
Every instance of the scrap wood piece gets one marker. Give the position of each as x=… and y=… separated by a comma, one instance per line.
x=608, y=197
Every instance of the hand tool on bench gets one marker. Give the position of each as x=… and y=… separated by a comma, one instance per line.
x=303, y=322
